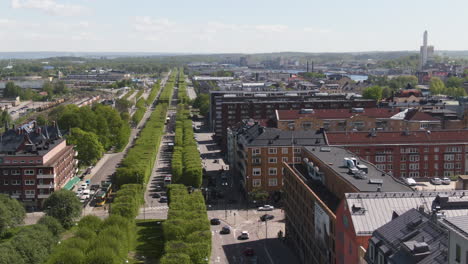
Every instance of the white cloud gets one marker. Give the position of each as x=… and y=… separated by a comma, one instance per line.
x=148, y=24
x=49, y=6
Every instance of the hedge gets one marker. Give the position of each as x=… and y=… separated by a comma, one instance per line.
x=187, y=229
x=186, y=162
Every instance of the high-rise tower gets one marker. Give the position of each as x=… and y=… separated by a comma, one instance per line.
x=423, y=52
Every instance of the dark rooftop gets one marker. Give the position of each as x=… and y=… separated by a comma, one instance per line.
x=30, y=139
x=374, y=180
x=276, y=137
x=412, y=237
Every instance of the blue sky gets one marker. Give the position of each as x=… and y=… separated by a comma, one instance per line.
x=247, y=26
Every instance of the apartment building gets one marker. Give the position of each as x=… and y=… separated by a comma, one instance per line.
x=313, y=191
x=257, y=154
x=356, y=119
x=417, y=154
x=34, y=162
x=228, y=108
x=361, y=214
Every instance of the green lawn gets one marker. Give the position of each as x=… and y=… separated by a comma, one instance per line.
x=150, y=240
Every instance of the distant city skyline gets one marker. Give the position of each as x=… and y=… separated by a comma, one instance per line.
x=208, y=26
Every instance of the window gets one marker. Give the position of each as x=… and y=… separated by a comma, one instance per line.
x=15, y=182
x=38, y=161
x=426, y=149
x=403, y=174
x=297, y=150
x=403, y=166
x=297, y=159
x=381, y=259
x=255, y=151
x=436, y=149
x=273, y=182
x=436, y=157
x=380, y=158
x=403, y=158
x=457, y=253
x=256, y=171
x=16, y=192
x=381, y=166
x=426, y=157
x=284, y=150
x=5, y=172
x=449, y=157
x=15, y=172
x=414, y=157
x=414, y=166
x=389, y=167
x=271, y=150
x=29, y=172
x=457, y=166
x=414, y=174
x=285, y=159
x=256, y=182
x=436, y=165
x=29, y=182
x=272, y=160
x=449, y=166
x=5, y=182
x=459, y=156
x=272, y=171
x=15, y=161
x=40, y=171
x=256, y=160
x=22, y=161
x=389, y=158
x=29, y=192
x=371, y=251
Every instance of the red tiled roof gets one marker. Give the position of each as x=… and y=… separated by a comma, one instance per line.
x=337, y=113
x=408, y=93
x=440, y=136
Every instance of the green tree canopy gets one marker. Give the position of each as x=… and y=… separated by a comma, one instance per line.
x=64, y=206
x=436, y=86
x=87, y=144
x=454, y=82
x=373, y=92
x=12, y=213
x=54, y=226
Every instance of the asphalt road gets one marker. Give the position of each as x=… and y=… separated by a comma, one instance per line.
x=232, y=211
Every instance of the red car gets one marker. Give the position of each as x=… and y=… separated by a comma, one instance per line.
x=249, y=252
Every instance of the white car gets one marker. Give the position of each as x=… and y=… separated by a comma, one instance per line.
x=84, y=186
x=436, y=181
x=266, y=208
x=446, y=181
x=244, y=235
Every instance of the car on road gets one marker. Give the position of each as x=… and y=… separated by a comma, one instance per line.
x=215, y=221
x=156, y=195
x=249, y=252
x=436, y=181
x=266, y=217
x=244, y=235
x=225, y=230
x=163, y=199
x=266, y=207
x=446, y=181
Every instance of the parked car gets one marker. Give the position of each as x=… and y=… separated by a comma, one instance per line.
x=225, y=230
x=95, y=187
x=249, y=252
x=446, y=181
x=215, y=221
x=410, y=181
x=163, y=200
x=158, y=188
x=266, y=208
x=436, y=181
x=266, y=217
x=156, y=195
x=244, y=235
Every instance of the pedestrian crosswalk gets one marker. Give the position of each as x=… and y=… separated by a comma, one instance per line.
x=162, y=207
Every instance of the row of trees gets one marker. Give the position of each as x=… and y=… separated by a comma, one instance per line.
x=140, y=111
x=34, y=243
x=186, y=162
x=187, y=230
x=93, y=130
x=153, y=93
x=202, y=102
x=138, y=164
x=97, y=241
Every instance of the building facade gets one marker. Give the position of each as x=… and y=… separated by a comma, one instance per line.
x=416, y=154
x=34, y=162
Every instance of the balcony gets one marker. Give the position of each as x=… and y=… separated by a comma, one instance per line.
x=46, y=176
x=45, y=186
x=43, y=196
x=30, y=196
x=15, y=196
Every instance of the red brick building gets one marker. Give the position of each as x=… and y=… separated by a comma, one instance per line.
x=34, y=162
x=417, y=154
